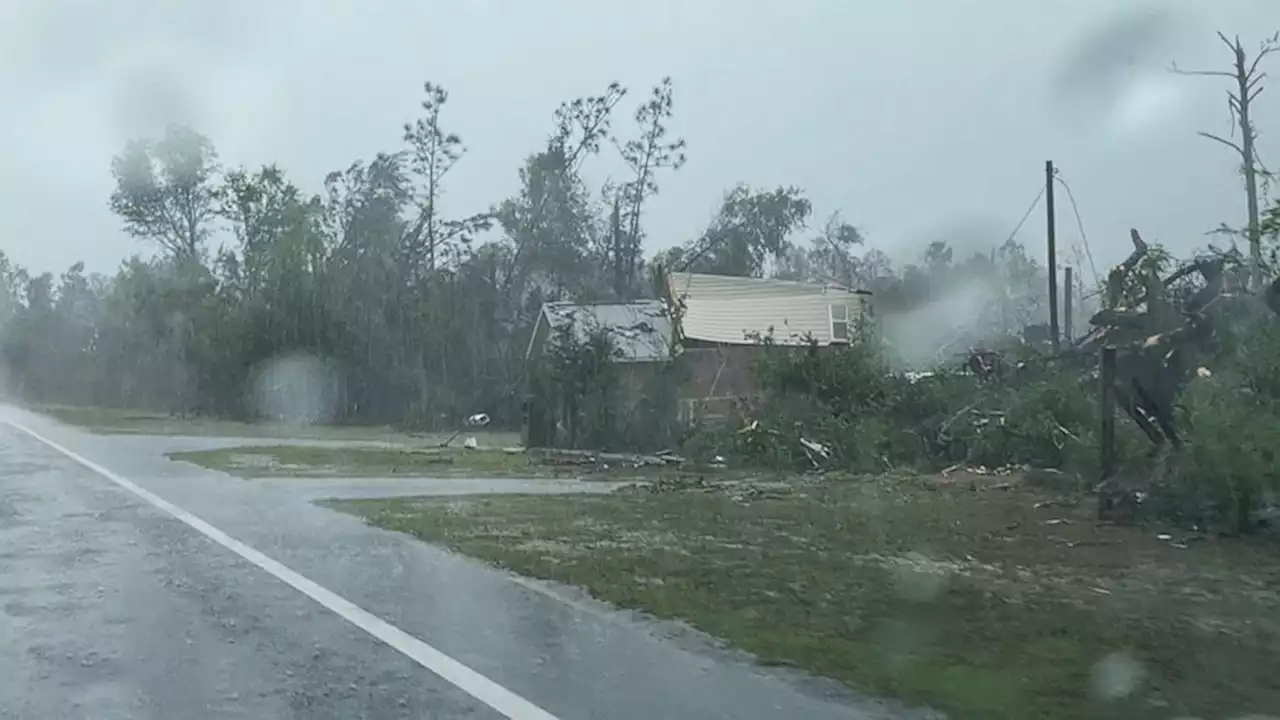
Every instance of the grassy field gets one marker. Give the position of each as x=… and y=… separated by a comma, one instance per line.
x=981, y=597
x=142, y=422
x=311, y=461
x=257, y=461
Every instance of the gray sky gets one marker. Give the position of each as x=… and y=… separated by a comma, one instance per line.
x=918, y=119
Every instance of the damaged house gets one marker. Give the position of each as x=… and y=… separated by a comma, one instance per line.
x=639, y=348
x=723, y=319
x=710, y=328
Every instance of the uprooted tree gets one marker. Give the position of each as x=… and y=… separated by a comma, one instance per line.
x=1168, y=330
x=1162, y=331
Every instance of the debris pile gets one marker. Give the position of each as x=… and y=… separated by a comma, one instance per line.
x=1164, y=330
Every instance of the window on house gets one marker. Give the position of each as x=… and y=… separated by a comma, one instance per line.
x=839, y=322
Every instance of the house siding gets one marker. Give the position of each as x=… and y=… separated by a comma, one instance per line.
x=722, y=320
x=734, y=310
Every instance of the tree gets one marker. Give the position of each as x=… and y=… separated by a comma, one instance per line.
x=580, y=126
x=937, y=257
x=834, y=251
x=550, y=226
x=645, y=155
x=873, y=266
x=363, y=222
x=261, y=207
x=432, y=154
x=166, y=191
x=13, y=280
x=830, y=256
x=751, y=228
x=1247, y=77
x=1270, y=227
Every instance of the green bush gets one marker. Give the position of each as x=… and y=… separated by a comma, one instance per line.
x=870, y=418
x=592, y=400
x=1229, y=470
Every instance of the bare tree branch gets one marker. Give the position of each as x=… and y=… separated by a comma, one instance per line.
x=1173, y=67
x=1267, y=48
x=1224, y=141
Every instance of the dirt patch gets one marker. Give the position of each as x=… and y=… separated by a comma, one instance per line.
x=985, y=599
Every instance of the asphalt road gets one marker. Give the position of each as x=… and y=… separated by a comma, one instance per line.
x=142, y=588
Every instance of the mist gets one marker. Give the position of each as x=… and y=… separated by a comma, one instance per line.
x=935, y=334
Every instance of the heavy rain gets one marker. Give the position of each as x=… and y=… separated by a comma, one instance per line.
x=569, y=360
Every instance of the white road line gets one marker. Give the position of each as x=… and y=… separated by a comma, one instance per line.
x=478, y=686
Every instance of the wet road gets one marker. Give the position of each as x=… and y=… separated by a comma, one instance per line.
x=144, y=588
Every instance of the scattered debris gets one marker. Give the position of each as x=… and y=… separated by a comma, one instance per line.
x=987, y=365
x=1056, y=502
x=669, y=456
x=812, y=448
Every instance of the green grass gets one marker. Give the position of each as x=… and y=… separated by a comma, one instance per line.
x=255, y=461
x=976, y=602
x=117, y=421
x=310, y=461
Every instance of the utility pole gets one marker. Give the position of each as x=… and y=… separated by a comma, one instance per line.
x=1051, y=236
x=1067, y=330
x=1247, y=78
x=1107, y=433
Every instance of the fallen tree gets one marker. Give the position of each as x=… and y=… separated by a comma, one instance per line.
x=1195, y=353
x=1166, y=331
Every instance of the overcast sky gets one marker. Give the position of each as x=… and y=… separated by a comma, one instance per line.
x=917, y=119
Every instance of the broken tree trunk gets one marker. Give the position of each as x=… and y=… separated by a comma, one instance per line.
x=1159, y=340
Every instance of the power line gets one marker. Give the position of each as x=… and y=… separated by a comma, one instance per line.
x=1026, y=215
x=1084, y=239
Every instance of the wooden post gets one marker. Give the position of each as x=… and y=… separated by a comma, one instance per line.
x=1052, y=240
x=1107, y=396
x=1067, y=292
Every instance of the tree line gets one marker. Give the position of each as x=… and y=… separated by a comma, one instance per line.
x=425, y=315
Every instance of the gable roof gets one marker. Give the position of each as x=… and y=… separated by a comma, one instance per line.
x=641, y=331
x=724, y=309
